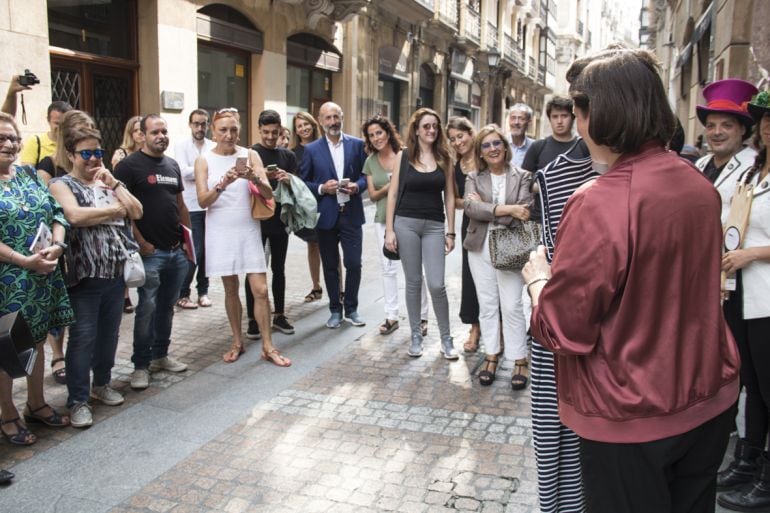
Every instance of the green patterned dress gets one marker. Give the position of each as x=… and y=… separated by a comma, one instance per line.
x=43, y=299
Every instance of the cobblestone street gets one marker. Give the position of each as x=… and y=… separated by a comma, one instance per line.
x=354, y=425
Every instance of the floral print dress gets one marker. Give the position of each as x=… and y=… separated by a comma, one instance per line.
x=42, y=299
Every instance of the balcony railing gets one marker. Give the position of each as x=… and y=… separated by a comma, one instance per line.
x=532, y=68
x=492, y=36
x=541, y=75
x=447, y=11
x=472, y=25
x=514, y=52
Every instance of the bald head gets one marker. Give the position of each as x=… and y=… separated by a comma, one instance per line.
x=330, y=117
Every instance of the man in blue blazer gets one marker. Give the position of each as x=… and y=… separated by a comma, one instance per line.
x=331, y=168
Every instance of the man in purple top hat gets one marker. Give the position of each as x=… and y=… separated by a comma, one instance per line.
x=728, y=124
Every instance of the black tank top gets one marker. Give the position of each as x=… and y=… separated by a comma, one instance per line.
x=422, y=197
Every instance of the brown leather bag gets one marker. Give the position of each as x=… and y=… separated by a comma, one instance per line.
x=262, y=202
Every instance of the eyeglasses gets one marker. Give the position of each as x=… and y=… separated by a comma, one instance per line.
x=12, y=138
x=87, y=154
x=496, y=143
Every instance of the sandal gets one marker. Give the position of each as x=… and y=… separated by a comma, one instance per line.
x=59, y=375
x=235, y=352
x=204, y=301
x=388, y=327
x=128, y=307
x=471, y=345
x=276, y=358
x=186, y=304
x=487, y=376
x=520, y=374
x=23, y=436
x=53, y=420
x=314, y=295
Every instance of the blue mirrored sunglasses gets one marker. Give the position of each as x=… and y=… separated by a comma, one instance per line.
x=87, y=154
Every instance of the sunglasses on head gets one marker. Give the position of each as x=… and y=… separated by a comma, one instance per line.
x=87, y=154
x=496, y=143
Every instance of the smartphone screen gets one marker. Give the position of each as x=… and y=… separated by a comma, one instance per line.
x=240, y=165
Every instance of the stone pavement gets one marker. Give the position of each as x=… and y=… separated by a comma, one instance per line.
x=353, y=425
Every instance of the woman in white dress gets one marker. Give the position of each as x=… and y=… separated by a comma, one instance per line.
x=233, y=237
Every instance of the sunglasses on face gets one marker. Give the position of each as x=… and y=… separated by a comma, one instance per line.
x=12, y=138
x=87, y=154
x=487, y=145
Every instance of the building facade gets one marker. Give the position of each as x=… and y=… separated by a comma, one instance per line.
x=118, y=58
x=699, y=41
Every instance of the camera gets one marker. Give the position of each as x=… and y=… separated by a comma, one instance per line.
x=28, y=78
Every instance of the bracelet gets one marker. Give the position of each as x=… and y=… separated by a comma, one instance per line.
x=118, y=183
x=451, y=235
x=535, y=281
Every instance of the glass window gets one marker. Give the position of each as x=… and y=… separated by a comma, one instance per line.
x=99, y=28
x=223, y=81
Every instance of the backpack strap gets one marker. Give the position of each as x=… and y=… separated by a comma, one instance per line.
x=37, y=161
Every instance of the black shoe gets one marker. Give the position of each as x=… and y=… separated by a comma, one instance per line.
x=281, y=323
x=253, y=331
x=742, y=469
x=753, y=497
x=5, y=477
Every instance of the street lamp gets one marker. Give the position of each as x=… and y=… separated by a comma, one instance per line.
x=493, y=59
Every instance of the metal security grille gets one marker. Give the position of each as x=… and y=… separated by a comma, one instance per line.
x=111, y=109
x=66, y=85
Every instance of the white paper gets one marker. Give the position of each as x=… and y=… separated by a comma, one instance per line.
x=105, y=197
x=43, y=239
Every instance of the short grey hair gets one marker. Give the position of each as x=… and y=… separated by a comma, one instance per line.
x=524, y=108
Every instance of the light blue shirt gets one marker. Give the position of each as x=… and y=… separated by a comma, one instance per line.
x=519, y=151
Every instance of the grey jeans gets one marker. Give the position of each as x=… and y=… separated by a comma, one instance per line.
x=421, y=246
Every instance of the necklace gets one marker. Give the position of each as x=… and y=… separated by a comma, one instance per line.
x=20, y=198
x=466, y=164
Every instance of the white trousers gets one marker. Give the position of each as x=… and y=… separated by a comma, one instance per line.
x=499, y=292
x=390, y=281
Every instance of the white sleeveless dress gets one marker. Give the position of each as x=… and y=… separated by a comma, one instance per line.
x=233, y=238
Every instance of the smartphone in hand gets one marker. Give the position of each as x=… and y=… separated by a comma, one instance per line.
x=240, y=165
x=343, y=184
x=271, y=170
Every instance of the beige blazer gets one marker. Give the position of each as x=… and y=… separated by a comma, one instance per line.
x=518, y=191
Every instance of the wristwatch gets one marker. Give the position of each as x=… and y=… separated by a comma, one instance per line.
x=62, y=245
x=219, y=189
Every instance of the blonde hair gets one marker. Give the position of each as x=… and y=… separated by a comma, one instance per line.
x=128, y=135
x=489, y=130
x=296, y=140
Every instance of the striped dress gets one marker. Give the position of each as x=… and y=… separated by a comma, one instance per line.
x=557, y=448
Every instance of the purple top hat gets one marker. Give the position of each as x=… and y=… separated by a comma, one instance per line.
x=729, y=96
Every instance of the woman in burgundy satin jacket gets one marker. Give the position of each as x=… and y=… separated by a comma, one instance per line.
x=646, y=369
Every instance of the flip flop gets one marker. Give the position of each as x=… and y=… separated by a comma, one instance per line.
x=186, y=304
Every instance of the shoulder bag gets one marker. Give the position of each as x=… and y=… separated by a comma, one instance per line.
x=262, y=201
x=509, y=248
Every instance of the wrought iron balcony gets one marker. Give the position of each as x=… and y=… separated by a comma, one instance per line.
x=472, y=25
x=492, y=36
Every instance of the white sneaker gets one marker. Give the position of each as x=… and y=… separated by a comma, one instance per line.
x=140, y=379
x=107, y=395
x=80, y=415
x=167, y=363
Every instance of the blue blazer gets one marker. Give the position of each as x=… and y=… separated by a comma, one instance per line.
x=317, y=167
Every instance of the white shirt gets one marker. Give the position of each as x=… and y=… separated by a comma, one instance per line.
x=338, y=158
x=186, y=152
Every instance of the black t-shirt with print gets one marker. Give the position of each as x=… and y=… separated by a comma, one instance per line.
x=155, y=182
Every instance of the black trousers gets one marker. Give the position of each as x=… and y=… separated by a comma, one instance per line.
x=753, y=339
x=672, y=475
x=279, y=245
x=469, y=301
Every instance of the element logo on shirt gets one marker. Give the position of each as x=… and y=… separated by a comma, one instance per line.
x=160, y=179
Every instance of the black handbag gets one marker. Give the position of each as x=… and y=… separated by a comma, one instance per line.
x=17, y=349
x=393, y=255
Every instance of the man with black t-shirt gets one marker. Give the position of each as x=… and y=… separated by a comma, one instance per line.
x=543, y=151
x=156, y=181
x=273, y=229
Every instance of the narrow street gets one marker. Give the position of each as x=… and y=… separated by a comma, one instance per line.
x=354, y=425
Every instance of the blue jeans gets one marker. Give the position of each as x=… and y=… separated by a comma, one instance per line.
x=98, y=306
x=165, y=270
x=198, y=223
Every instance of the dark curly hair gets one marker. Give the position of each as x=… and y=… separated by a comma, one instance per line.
x=393, y=138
